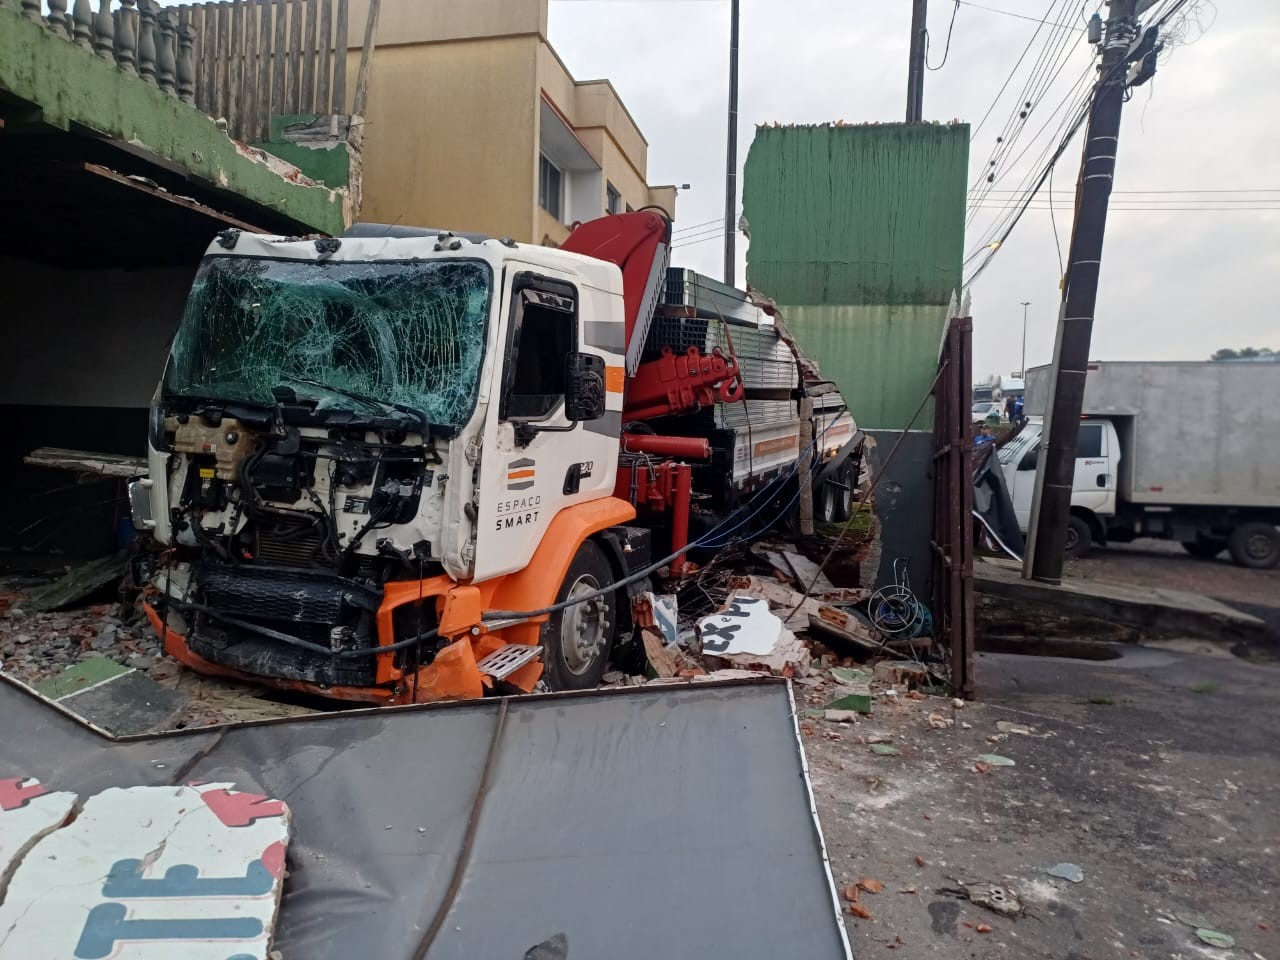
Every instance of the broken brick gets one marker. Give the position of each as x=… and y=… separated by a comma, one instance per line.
x=870, y=885
x=851, y=893
x=983, y=928
x=859, y=911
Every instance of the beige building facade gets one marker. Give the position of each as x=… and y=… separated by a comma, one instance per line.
x=475, y=124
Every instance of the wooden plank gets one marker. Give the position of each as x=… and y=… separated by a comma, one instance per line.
x=324, y=104
x=235, y=66
x=222, y=58
x=278, y=60
x=360, y=101
x=310, y=50
x=262, y=116
x=294, y=96
x=339, y=101
x=83, y=461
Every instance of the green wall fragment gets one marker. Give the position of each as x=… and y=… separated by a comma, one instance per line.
x=76, y=90
x=857, y=232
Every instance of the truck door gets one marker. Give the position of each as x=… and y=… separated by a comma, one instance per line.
x=1094, y=484
x=534, y=460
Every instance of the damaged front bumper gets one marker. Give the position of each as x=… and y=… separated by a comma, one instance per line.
x=316, y=632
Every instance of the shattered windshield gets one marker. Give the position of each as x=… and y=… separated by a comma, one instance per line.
x=347, y=335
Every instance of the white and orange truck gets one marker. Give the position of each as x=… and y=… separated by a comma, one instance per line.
x=405, y=465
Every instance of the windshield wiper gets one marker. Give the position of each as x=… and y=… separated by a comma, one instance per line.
x=382, y=405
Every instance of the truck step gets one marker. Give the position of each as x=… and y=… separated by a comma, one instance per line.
x=507, y=659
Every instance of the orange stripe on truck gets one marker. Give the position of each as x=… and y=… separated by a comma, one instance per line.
x=614, y=379
x=519, y=474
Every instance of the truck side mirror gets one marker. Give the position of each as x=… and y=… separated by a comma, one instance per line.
x=584, y=388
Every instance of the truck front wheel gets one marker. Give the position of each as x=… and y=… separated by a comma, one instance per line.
x=577, y=641
x=1255, y=544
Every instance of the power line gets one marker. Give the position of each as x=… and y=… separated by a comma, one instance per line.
x=1007, y=79
x=1020, y=16
x=1045, y=69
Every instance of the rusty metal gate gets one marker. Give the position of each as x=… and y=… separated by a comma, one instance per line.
x=952, y=542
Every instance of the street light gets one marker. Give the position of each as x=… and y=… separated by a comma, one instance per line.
x=1022, y=372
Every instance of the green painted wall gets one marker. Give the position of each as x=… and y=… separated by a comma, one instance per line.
x=857, y=232
x=75, y=89
x=328, y=165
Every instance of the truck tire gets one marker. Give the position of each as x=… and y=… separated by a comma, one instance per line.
x=1255, y=544
x=1079, y=538
x=577, y=641
x=1206, y=548
x=835, y=498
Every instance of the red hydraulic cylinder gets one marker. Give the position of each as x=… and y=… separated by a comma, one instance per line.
x=680, y=515
x=690, y=448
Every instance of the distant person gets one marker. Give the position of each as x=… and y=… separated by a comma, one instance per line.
x=1017, y=410
x=984, y=436
x=1010, y=403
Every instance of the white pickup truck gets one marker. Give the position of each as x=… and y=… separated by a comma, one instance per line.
x=1179, y=451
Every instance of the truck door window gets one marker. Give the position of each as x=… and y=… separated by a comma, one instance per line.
x=1089, y=441
x=543, y=337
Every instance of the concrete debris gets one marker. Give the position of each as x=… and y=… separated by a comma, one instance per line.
x=1066, y=871
x=1006, y=726
x=994, y=897
x=808, y=575
x=1215, y=938
x=995, y=760
x=846, y=625
x=78, y=583
x=856, y=697
x=850, y=675
x=791, y=603
x=901, y=673
x=666, y=659
x=841, y=716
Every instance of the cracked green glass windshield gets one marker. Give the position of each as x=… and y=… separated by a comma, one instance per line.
x=350, y=336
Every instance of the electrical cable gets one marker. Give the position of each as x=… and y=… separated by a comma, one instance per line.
x=999, y=93
x=875, y=482
x=946, y=51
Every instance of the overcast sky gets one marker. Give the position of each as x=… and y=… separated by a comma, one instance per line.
x=1176, y=283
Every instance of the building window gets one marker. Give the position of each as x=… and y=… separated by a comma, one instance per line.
x=550, y=192
x=613, y=199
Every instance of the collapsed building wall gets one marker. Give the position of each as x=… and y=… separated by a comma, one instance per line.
x=857, y=233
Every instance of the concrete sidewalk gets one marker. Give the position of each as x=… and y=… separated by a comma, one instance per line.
x=1170, y=612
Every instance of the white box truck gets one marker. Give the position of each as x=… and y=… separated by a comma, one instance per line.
x=1179, y=451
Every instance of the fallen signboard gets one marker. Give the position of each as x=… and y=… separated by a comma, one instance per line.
x=488, y=828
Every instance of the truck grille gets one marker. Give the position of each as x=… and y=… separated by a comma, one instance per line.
x=308, y=606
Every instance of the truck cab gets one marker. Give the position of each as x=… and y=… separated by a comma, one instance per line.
x=1093, y=490
x=406, y=465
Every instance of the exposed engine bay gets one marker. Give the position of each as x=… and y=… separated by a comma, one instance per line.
x=283, y=529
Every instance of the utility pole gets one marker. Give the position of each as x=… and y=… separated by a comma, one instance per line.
x=1051, y=506
x=915, y=61
x=1022, y=370
x=731, y=157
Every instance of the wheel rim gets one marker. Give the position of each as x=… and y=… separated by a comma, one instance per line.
x=1259, y=546
x=584, y=627
x=1073, y=539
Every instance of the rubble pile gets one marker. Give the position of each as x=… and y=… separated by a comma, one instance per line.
x=66, y=651
x=766, y=610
